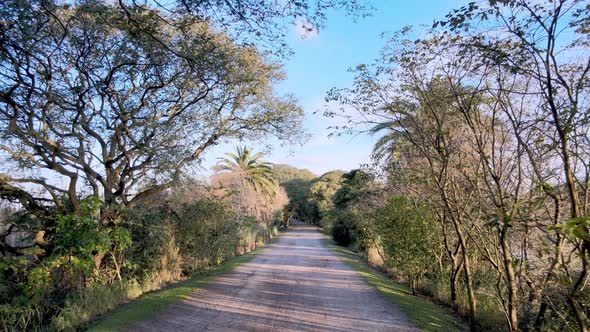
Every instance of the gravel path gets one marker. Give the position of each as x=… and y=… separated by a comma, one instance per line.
x=296, y=285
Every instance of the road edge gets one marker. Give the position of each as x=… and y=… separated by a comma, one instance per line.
x=150, y=304
x=425, y=314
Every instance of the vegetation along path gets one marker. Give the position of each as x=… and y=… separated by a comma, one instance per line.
x=298, y=285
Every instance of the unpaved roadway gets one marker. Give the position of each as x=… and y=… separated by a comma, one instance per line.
x=297, y=284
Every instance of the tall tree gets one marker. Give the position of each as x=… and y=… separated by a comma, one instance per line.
x=116, y=111
x=547, y=45
x=489, y=111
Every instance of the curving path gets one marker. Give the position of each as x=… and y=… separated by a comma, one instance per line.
x=297, y=284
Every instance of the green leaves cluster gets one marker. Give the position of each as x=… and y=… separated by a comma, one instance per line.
x=79, y=236
x=66, y=265
x=322, y=191
x=205, y=233
x=407, y=232
x=297, y=183
x=575, y=228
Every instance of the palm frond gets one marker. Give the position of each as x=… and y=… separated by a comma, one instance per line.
x=387, y=125
x=254, y=172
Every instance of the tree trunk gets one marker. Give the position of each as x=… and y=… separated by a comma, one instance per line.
x=510, y=281
x=117, y=269
x=540, y=320
x=580, y=283
x=454, y=280
x=466, y=266
x=575, y=213
x=468, y=276
x=470, y=291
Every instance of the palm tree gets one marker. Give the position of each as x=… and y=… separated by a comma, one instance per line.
x=253, y=172
x=404, y=114
x=384, y=147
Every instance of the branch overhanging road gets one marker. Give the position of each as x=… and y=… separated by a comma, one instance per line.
x=297, y=284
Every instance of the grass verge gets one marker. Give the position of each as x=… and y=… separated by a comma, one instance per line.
x=150, y=304
x=427, y=315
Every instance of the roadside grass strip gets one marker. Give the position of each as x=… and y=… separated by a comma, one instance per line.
x=427, y=315
x=150, y=304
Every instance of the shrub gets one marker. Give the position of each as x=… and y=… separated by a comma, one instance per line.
x=153, y=250
x=206, y=234
x=95, y=267
x=405, y=230
x=247, y=234
x=342, y=229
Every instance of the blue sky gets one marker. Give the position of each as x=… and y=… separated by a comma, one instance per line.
x=320, y=63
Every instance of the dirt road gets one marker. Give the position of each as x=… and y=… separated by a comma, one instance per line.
x=296, y=285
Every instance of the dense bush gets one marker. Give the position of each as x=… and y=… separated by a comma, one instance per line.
x=93, y=270
x=206, y=233
x=153, y=247
x=406, y=237
x=36, y=284
x=342, y=230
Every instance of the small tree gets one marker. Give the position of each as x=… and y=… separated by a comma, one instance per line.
x=408, y=236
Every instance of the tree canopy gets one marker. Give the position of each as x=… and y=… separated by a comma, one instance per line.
x=484, y=122
x=117, y=111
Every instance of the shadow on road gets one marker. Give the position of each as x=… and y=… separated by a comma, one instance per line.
x=297, y=285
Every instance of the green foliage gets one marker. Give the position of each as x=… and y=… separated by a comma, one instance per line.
x=80, y=237
x=297, y=184
x=153, y=242
x=254, y=172
x=247, y=234
x=206, y=233
x=342, y=231
x=38, y=286
x=407, y=233
x=321, y=192
x=575, y=228
x=310, y=196
x=343, y=220
x=285, y=173
x=354, y=186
